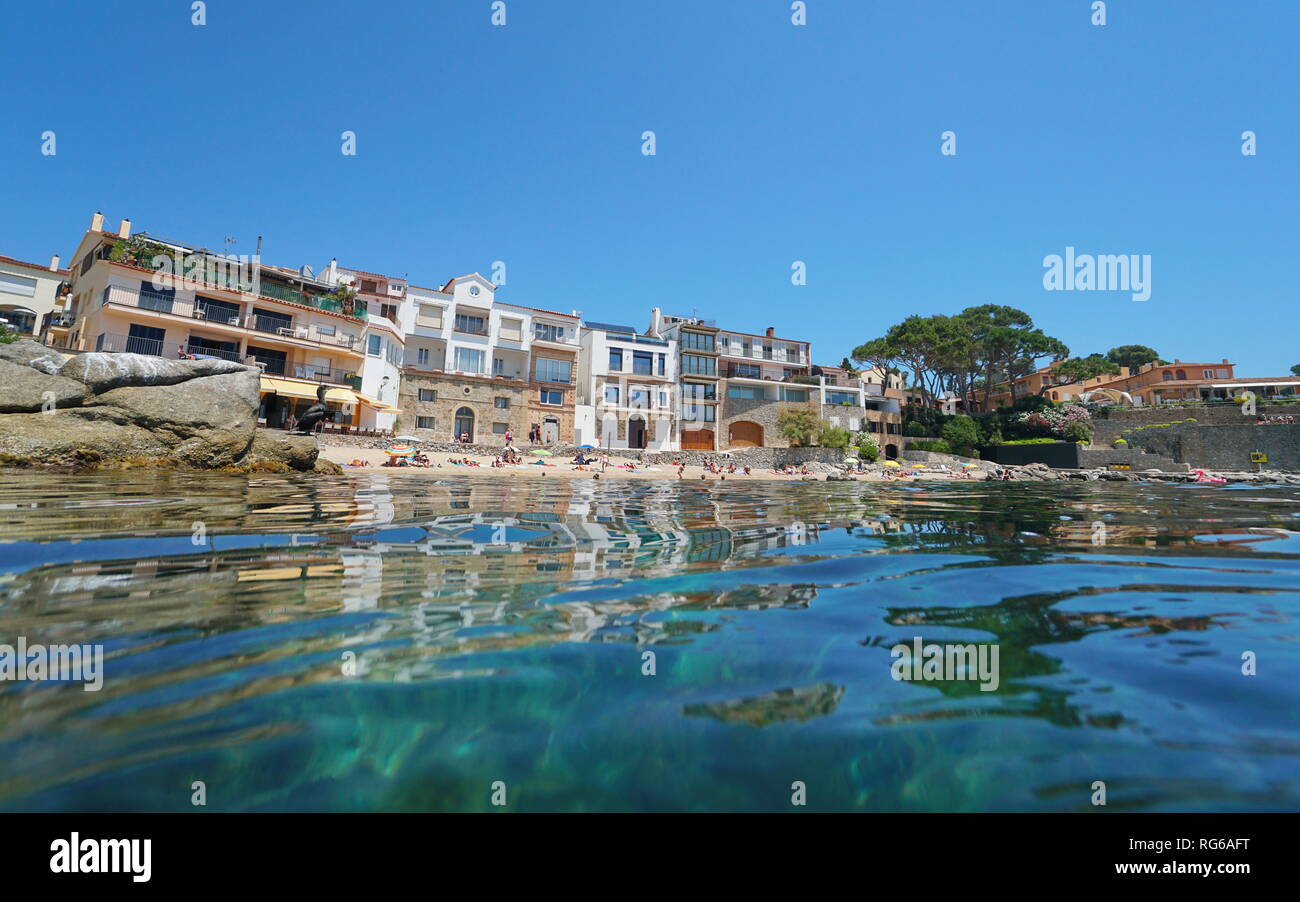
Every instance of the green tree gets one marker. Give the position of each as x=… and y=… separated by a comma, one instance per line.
x=1132, y=356
x=799, y=425
x=1295, y=370
x=1077, y=432
x=8, y=336
x=962, y=433
x=1080, y=369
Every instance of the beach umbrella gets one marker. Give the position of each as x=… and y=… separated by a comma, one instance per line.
x=968, y=466
x=918, y=466
x=850, y=460
x=726, y=454
x=587, y=446
x=889, y=463
x=399, y=452
x=541, y=452
x=407, y=438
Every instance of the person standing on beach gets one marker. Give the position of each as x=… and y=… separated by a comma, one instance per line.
x=510, y=437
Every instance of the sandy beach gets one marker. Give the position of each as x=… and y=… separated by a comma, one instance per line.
x=562, y=467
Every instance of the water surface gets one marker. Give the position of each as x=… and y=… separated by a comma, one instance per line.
x=402, y=642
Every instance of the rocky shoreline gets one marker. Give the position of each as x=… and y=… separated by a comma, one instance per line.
x=1043, y=473
x=127, y=411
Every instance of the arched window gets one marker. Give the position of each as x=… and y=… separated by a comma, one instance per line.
x=464, y=424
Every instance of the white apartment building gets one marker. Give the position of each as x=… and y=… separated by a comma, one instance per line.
x=480, y=360
x=30, y=294
x=627, y=389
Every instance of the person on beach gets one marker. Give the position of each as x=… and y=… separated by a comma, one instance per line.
x=510, y=437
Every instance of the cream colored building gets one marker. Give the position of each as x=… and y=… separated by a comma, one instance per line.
x=30, y=294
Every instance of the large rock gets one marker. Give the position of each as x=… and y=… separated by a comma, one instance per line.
x=298, y=452
x=24, y=389
x=136, y=410
x=103, y=372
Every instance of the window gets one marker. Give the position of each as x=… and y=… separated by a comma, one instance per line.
x=616, y=360
x=767, y=352
x=547, y=370
x=325, y=330
x=370, y=286
x=428, y=394
x=638, y=397
x=611, y=394
x=1207, y=374
x=705, y=413
x=552, y=397
x=642, y=361
x=548, y=332
x=501, y=403
x=788, y=373
x=424, y=422
x=429, y=316
x=11, y=284
x=841, y=397
x=794, y=394
x=475, y=325
x=662, y=359
x=695, y=365
x=469, y=360
x=746, y=392
x=663, y=399
x=422, y=357
x=374, y=345
x=694, y=392
x=891, y=428
x=500, y=428
x=693, y=341
x=746, y=370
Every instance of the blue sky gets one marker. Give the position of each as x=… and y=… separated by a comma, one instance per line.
x=775, y=143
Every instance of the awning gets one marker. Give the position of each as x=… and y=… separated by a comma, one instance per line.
x=1258, y=385
x=377, y=405
x=341, y=396
x=286, y=388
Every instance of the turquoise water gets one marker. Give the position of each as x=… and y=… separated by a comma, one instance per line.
x=404, y=642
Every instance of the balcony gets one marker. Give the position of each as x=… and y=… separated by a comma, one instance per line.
x=114, y=343
x=558, y=335
x=146, y=298
x=202, y=351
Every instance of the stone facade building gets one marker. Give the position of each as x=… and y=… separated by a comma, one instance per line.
x=443, y=406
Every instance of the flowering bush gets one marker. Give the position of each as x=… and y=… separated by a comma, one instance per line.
x=1052, y=421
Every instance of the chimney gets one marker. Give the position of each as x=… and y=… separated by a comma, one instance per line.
x=1225, y=359
x=656, y=321
x=54, y=267
x=124, y=230
x=770, y=331
x=1176, y=360
x=97, y=222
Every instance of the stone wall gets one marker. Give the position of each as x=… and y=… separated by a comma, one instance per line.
x=1109, y=422
x=753, y=457
x=753, y=410
x=1134, y=458
x=1224, y=447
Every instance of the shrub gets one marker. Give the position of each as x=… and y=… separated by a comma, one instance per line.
x=938, y=446
x=829, y=436
x=799, y=425
x=1077, y=432
x=1031, y=441
x=8, y=336
x=869, y=452
x=962, y=435
x=916, y=429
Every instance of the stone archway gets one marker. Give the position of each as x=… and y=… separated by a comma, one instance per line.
x=464, y=424
x=891, y=452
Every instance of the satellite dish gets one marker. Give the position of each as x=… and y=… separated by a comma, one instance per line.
x=306, y=271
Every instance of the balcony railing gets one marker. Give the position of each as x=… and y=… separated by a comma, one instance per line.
x=160, y=302
x=114, y=343
x=317, y=373
x=203, y=351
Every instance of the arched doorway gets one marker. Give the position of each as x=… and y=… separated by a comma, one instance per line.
x=636, y=432
x=745, y=434
x=550, y=430
x=891, y=452
x=464, y=424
